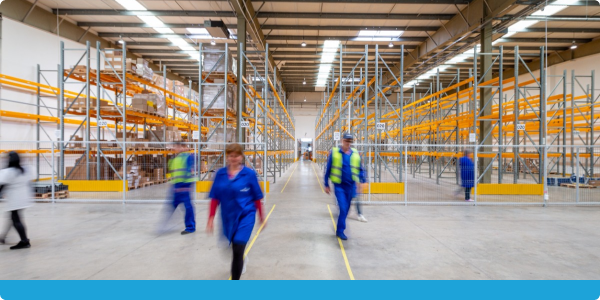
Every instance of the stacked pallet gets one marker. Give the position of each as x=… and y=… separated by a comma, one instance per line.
x=43, y=191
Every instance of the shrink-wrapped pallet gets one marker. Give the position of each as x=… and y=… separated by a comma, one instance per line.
x=217, y=93
x=220, y=137
x=215, y=61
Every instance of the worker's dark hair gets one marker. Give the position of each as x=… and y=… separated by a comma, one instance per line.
x=466, y=152
x=14, y=161
x=234, y=148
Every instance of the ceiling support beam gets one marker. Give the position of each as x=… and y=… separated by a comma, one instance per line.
x=556, y=57
x=29, y=11
x=241, y=4
x=265, y=27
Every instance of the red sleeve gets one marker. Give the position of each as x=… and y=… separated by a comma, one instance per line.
x=213, y=208
x=258, y=205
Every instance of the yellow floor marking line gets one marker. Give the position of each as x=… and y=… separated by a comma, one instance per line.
x=318, y=179
x=257, y=233
x=341, y=246
x=289, y=178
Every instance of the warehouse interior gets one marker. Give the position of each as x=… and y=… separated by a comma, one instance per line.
x=94, y=94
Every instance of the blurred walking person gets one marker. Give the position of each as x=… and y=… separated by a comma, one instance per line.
x=181, y=170
x=467, y=173
x=236, y=189
x=15, y=184
x=345, y=170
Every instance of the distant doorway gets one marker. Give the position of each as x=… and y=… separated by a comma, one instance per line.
x=306, y=149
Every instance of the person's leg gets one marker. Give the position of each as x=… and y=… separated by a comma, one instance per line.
x=9, y=225
x=18, y=224
x=467, y=193
x=344, y=205
x=237, y=264
x=358, y=211
x=190, y=221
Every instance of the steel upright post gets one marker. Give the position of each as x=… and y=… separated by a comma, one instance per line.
x=87, y=113
x=61, y=103
x=98, y=114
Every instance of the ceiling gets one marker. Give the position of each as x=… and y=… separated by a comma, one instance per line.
x=285, y=24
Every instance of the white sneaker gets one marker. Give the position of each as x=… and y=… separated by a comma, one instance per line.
x=362, y=218
x=470, y=200
x=245, y=262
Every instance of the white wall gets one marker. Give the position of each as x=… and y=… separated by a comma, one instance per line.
x=23, y=48
x=304, y=121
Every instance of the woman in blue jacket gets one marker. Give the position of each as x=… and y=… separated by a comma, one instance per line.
x=467, y=174
x=236, y=189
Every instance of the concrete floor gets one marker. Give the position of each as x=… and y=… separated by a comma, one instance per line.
x=115, y=241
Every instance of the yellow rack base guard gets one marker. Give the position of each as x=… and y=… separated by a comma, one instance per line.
x=510, y=189
x=204, y=186
x=94, y=185
x=387, y=187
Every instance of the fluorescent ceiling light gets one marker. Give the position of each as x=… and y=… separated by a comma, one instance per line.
x=564, y=2
x=131, y=4
x=378, y=35
x=178, y=41
x=327, y=57
x=201, y=31
x=159, y=26
x=187, y=48
x=331, y=45
x=163, y=30
x=324, y=68
x=152, y=21
x=549, y=10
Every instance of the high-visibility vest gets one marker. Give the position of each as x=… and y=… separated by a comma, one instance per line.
x=337, y=163
x=178, y=170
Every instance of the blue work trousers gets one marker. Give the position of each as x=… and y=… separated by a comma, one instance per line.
x=184, y=197
x=344, y=194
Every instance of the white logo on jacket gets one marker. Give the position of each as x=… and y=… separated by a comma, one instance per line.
x=245, y=189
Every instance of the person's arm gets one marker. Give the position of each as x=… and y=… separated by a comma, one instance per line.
x=327, y=171
x=259, y=208
x=362, y=175
x=257, y=195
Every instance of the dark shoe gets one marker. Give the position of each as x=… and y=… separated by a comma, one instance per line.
x=186, y=232
x=2, y=241
x=342, y=236
x=21, y=245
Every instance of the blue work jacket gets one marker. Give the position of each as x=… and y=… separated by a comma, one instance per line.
x=237, y=197
x=467, y=172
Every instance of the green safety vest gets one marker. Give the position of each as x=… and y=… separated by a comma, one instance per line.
x=337, y=162
x=178, y=170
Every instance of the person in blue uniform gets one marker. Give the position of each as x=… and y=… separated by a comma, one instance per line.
x=236, y=189
x=344, y=169
x=467, y=174
x=182, y=178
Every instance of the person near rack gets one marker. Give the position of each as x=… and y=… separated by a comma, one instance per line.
x=15, y=184
x=236, y=189
x=181, y=169
x=344, y=169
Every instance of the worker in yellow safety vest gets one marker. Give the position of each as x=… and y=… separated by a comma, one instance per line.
x=181, y=174
x=345, y=170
